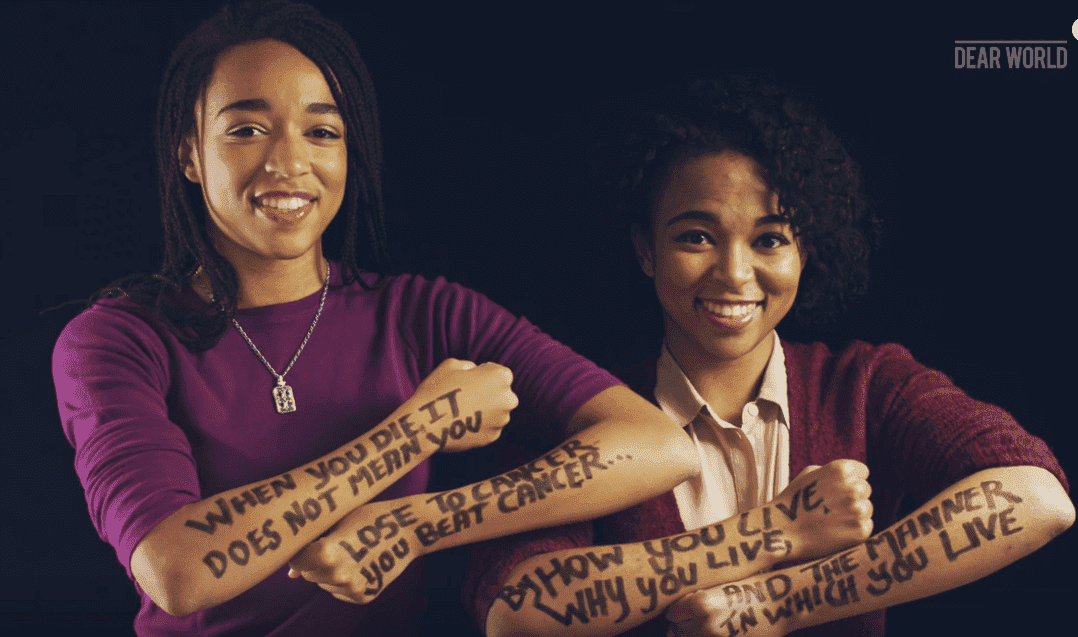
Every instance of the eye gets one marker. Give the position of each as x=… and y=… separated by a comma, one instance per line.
x=325, y=133
x=694, y=237
x=772, y=240
x=246, y=131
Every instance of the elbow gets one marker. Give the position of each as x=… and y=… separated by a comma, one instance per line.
x=166, y=583
x=1054, y=508
x=680, y=455
x=178, y=600
x=176, y=606
x=1063, y=512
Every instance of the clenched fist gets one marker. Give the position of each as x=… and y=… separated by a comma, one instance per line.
x=826, y=509
x=363, y=554
x=467, y=405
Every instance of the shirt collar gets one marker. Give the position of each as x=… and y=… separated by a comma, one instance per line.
x=679, y=399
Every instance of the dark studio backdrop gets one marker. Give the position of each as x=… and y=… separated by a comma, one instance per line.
x=490, y=120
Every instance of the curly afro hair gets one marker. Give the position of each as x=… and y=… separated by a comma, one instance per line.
x=818, y=184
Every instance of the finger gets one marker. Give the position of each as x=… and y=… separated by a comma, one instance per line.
x=808, y=469
x=503, y=373
x=866, y=528
x=866, y=509
x=313, y=559
x=345, y=590
x=851, y=468
x=862, y=490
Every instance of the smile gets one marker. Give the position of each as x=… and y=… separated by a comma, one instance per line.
x=731, y=315
x=287, y=203
x=286, y=208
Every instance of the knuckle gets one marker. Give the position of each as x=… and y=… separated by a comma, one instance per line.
x=340, y=578
x=845, y=467
x=325, y=553
x=507, y=374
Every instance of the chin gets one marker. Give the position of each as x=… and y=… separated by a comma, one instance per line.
x=731, y=349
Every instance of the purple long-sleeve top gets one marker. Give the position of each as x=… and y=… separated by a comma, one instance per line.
x=156, y=427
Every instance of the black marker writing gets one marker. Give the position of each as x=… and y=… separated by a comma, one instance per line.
x=432, y=408
x=385, y=527
x=239, y=552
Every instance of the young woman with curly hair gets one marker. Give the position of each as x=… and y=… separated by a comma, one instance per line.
x=231, y=409
x=745, y=207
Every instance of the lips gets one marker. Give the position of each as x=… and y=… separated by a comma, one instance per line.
x=284, y=207
x=730, y=315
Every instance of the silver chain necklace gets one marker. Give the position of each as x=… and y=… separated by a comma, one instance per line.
x=283, y=396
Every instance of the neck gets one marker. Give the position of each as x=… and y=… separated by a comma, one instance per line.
x=265, y=282
x=726, y=385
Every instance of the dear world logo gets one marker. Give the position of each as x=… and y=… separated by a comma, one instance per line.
x=1016, y=54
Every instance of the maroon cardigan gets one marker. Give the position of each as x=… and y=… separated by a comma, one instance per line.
x=915, y=430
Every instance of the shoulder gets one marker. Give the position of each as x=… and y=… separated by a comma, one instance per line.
x=114, y=324
x=856, y=359
x=413, y=291
x=107, y=350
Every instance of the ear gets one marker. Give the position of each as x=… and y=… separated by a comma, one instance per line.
x=642, y=247
x=189, y=159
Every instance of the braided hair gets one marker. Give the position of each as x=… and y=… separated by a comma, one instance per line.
x=818, y=184
x=187, y=241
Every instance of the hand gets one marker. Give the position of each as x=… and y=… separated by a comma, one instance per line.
x=825, y=509
x=705, y=613
x=362, y=554
x=467, y=405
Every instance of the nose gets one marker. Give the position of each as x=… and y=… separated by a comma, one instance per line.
x=734, y=265
x=288, y=155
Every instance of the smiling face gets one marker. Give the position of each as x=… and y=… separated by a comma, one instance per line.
x=725, y=264
x=269, y=152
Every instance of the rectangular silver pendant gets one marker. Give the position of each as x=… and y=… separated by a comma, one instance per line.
x=283, y=398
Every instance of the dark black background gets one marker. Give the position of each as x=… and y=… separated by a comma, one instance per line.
x=488, y=116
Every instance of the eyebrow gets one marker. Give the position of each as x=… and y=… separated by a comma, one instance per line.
x=260, y=105
x=700, y=215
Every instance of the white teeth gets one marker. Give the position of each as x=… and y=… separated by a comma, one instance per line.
x=283, y=203
x=734, y=310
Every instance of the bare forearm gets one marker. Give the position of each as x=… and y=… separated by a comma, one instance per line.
x=210, y=551
x=978, y=526
x=605, y=467
x=602, y=470
x=607, y=590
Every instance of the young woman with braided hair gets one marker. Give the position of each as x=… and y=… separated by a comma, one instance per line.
x=743, y=206
x=230, y=409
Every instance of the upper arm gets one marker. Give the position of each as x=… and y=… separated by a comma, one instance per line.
x=135, y=465
x=934, y=434
x=625, y=417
